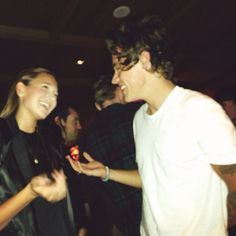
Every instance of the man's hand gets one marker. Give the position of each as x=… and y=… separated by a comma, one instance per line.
x=92, y=168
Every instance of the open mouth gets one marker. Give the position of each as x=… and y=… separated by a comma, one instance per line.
x=45, y=105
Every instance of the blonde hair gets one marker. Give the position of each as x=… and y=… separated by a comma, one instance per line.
x=25, y=77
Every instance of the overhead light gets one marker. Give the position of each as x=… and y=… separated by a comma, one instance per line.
x=80, y=62
x=121, y=12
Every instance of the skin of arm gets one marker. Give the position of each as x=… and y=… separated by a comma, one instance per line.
x=96, y=168
x=39, y=186
x=228, y=174
x=127, y=177
x=15, y=204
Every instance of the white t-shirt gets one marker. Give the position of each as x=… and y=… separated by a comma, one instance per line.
x=182, y=195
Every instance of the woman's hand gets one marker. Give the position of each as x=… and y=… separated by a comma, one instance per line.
x=52, y=190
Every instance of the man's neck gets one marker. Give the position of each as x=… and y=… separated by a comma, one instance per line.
x=158, y=95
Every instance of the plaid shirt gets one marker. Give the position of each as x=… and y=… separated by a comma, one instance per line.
x=109, y=139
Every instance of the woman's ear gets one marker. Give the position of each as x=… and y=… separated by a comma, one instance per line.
x=20, y=89
x=145, y=59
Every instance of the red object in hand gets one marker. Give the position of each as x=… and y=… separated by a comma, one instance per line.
x=74, y=153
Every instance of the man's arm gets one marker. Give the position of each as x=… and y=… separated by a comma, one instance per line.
x=96, y=168
x=127, y=177
x=228, y=174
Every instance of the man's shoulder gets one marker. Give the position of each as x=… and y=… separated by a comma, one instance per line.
x=116, y=118
x=195, y=101
x=115, y=113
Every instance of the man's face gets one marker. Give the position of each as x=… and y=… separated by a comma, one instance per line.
x=72, y=127
x=131, y=81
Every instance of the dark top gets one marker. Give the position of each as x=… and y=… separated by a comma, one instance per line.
x=53, y=134
x=109, y=139
x=75, y=189
x=29, y=155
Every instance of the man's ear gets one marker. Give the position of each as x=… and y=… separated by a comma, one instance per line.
x=60, y=122
x=145, y=59
x=20, y=89
x=99, y=108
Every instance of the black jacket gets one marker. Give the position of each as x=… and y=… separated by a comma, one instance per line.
x=16, y=172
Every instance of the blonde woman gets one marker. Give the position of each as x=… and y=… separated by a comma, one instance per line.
x=25, y=154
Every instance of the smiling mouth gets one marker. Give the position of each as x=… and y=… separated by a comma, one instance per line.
x=122, y=87
x=44, y=105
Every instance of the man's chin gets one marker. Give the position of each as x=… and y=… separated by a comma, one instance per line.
x=129, y=99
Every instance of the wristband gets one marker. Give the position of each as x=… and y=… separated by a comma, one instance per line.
x=107, y=175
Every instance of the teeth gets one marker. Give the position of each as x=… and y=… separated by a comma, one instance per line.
x=45, y=105
x=123, y=87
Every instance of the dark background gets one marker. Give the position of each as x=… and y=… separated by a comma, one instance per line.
x=56, y=33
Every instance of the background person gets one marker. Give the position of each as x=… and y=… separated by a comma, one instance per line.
x=63, y=129
x=227, y=98
x=109, y=138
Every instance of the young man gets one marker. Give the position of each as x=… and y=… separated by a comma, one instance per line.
x=67, y=118
x=185, y=143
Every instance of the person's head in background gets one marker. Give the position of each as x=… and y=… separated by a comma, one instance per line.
x=106, y=93
x=68, y=120
x=227, y=98
x=32, y=97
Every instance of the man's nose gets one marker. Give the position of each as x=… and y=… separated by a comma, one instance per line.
x=115, y=78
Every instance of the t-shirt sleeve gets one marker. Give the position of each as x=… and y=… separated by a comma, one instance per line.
x=215, y=133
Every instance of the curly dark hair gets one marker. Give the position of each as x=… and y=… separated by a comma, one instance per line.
x=149, y=35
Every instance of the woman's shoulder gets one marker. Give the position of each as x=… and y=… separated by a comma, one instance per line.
x=5, y=138
x=5, y=133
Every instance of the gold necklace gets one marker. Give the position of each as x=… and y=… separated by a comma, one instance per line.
x=34, y=149
x=36, y=161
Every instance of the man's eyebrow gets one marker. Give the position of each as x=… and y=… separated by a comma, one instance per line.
x=45, y=82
